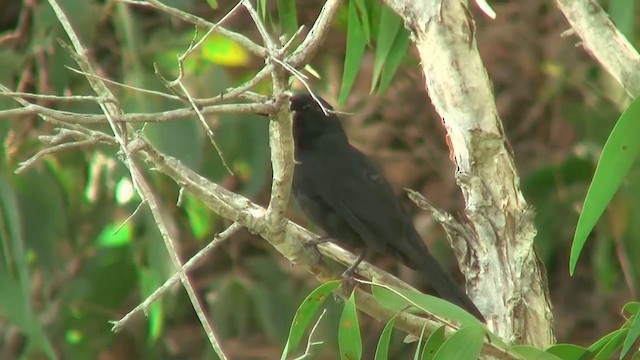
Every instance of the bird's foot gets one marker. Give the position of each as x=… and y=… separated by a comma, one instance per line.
x=348, y=276
x=348, y=283
x=312, y=245
x=317, y=241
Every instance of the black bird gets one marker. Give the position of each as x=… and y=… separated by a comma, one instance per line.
x=343, y=193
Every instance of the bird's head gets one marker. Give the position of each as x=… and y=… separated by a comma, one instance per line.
x=310, y=122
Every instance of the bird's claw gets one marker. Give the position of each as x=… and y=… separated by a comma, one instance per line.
x=348, y=283
x=312, y=246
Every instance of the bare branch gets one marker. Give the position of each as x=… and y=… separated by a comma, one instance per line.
x=50, y=97
x=604, y=42
x=192, y=263
x=192, y=19
x=170, y=115
x=316, y=35
x=57, y=146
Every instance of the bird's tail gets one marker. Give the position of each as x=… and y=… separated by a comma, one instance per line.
x=446, y=286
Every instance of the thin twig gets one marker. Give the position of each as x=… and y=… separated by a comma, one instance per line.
x=195, y=260
x=310, y=342
x=185, y=92
x=170, y=115
x=195, y=45
x=190, y=18
x=268, y=41
x=27, y=164
x=133, y=214
x=302, y=78
x=316, y=35
x=50, y=97
x=130, y=87
x=237, y=91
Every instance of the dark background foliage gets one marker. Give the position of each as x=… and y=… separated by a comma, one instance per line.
x=70, y=262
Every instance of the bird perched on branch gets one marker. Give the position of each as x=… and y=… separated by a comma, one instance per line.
x=343, y=193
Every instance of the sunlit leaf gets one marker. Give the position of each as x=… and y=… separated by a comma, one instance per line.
x=124, y=191
x=222, y=51
x=115, y=234
x=213, y=4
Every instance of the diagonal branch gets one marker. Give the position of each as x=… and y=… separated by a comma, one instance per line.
x=604, y=42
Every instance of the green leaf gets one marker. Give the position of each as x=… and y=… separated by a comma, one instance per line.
x=531, y=353
x=390, y=23
x=603, y=341
x=399, y=299
x=115, y=234
x=632, y=336
x=396, y=54
x=568, y=351
x=364, y=17
x=213, y=4
x=618, y=154
x=623, y=13
x=15, y=284
x=149, y=282
x=14, y=304
x=631, y=308
x=356, y=42
x=607, y=345
x=349, y=339
x=374, y=18
x=220, y=50
x=382, y=351
x=305, y=313
x=434, y=343
x=465, y=343
x=262, y=9
x=199, y=216
x=288, y=17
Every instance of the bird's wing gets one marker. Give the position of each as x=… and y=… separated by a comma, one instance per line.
x=364, y=199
